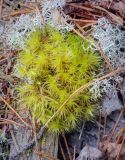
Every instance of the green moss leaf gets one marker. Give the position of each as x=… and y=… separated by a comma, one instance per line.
x=53, y=66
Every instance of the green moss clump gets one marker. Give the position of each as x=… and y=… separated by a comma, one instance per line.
x=53, y=66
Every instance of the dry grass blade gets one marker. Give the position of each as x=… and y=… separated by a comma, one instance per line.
x=105, y=122
x=83, y=20
x=121, y=145
x=14, y=112
x=1, y=6
x=14, y=140
x=104, y=57
x=99, y=128
x=119, y=134
x=8, y=121
x=66, y=144
x=35, y=136
x=113, y=16
x=62, y=151
x=116, y=124
x=89, y=25
x=87, y=85
x=16, y=13
x=80, y=7
x=74, y=153
x=111, y=1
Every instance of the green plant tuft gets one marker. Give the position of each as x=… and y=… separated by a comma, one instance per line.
x=52, y=67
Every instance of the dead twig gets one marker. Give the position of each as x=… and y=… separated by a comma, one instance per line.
x=16, y=13
x=35, y=136
x=116, y=124
x=113, y=16
x=99, y=128
x=66, y=144
x=14, y=111
x=80, y=7
x=111, y=1
x=1, y=6
x=105, y=122
x=83, y=125
x=14, y=140
x=83, y=20
x=8, y=121
x=113, y=130
x=103, y=55
x=45, y=155
x=119, y=134
x=121, y=145
x=74, y=153
x=62, y=152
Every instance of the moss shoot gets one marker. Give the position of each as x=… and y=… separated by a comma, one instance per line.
x=52, y=66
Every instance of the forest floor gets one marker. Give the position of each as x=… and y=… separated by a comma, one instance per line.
x=103, y=138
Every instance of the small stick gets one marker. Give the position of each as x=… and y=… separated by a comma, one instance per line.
x=1, y=6
x=117, y=158
x=14, y=112
x=66, y=144
x=118, y=136
x=99, y=128
x=80, y=28
x=27, y=6
x=74, y=153
x=82, y=130
x=83, y=20
x=18, y=13
x=8, y=121
x=105, y=57
x=14, y=140
x=105, y=122
x=110, y=3
x=83, y=87
x=35, y=136
x=116, y=124
x=113, y=16
x=80, y=7
x=88, y=25
x=62, y=152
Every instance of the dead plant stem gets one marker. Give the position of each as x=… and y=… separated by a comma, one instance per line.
x=7, y=104
x=79, y=90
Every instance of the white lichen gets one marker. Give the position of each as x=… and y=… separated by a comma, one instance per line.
x=17, y=31
x=103, y=87
x=106, y=90
x=52, y=14
x=52, y=4
x=111, y=39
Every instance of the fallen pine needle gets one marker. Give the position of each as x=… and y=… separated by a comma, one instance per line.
x=14, y=111
x=79, y=90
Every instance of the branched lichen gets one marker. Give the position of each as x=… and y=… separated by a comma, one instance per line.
x=53, y=15
x=111, y=39
x=17, y=31
x=52, y=66
x=101, y=88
